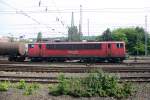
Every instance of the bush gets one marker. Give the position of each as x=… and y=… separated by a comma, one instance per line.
x=4, y=86
x=95, y=84
x=35, y=86
x=62, y=87
x=22, y=84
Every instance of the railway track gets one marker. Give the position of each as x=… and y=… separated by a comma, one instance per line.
x=128, y=62
x=48, y=80
x=75, y=69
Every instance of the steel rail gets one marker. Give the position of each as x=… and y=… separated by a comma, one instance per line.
x=51, y=69
x=55, y=79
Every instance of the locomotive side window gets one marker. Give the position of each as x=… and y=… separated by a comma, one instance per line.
x=119, y=45
x=31, y=45
x=73, y=46
x=48, y=46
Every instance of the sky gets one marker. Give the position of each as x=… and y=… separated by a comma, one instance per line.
x=52, y=17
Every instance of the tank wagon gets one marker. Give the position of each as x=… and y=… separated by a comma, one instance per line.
x=14, y=51
x=112, y=51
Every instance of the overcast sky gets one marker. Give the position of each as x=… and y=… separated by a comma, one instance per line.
x=51, y=17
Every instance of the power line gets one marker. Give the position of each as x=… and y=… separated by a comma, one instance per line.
x=97, y=9
x=106, y=24
x=115, y=10
x=24, y=27
x=23, y=13
x=58, y=19
x=48, y=11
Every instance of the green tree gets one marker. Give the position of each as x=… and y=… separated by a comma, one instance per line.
x=135, y=39
x=73, y=34
x=39, y=37
x=107, y=36
x=119, y=37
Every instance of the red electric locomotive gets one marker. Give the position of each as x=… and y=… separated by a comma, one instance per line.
x=85, y=51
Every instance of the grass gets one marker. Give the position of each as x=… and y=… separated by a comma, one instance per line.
x=29, y=89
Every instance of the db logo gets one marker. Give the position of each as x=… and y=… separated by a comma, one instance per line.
x=73, y=52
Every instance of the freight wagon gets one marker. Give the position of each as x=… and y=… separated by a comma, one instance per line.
x=14, y=51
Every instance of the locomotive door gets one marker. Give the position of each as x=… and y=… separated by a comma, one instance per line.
x=40, y=50
x=109, y=47
x=37, y=50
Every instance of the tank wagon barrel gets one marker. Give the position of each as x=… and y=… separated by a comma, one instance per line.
x=12, y=49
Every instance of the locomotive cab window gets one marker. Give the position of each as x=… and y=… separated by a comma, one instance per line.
x=119, y=45
x=31, y=45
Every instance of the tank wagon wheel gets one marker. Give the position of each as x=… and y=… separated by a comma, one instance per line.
x=19, y=59
x=10, y=59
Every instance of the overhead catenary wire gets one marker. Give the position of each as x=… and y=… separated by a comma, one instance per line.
x=100, y=10
x=58, y=19
x=46, y=10
x=22, y=12
x=19, y=11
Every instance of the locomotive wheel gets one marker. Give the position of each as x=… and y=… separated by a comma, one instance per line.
x=36, y=60
x=12, y=58
x=121, y=60
x=115, y=60
x=61, y=60
x=111, y=60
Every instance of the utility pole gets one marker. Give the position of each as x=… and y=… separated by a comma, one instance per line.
x=88, y=27
x=70, y=35
x=146, y=35
x=80, y=23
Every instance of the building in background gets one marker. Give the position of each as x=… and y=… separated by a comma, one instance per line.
x=73, y=34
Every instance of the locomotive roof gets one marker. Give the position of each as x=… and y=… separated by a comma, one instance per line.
x=78, y=42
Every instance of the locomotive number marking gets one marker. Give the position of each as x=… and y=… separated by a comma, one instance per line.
x=73, y=52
